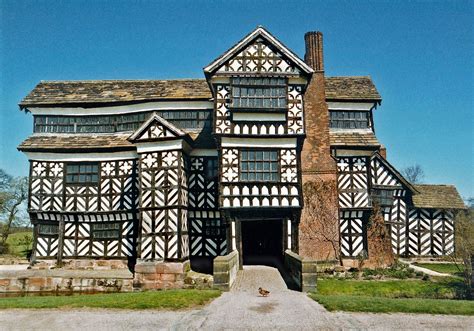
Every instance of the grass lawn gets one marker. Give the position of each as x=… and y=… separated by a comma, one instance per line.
x=389, y=305
x=446, y=268
x=169, y=299
x=408, y=296
x=15, y=243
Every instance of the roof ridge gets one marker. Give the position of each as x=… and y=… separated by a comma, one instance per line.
x=118, y=80
x=366, y=76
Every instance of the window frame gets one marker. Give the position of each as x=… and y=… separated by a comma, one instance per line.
x=237, y=84
x=67, y=173
x=256, y=171
x=335, y=121
x=110, y=227
x=49, y=232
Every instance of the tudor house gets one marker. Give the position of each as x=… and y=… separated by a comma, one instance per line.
x=196, y=168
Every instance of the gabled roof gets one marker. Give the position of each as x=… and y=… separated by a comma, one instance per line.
x=351, y=88
x=437, y=197
x=156, y=128
x=398, y=175
x=263, y=33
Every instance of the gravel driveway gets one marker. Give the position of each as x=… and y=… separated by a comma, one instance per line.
x=242, y=308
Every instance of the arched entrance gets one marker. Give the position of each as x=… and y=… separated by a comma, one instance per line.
x=262, y=242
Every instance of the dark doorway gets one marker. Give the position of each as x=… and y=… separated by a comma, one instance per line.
x=262, y=242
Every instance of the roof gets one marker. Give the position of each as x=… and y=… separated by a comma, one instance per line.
x=91, y=92
x=76, y=142
x=155, y=118
x=437, y=196
x=258, y=32
x=394, y=171
x=115, y=91
x=353, y=139
x=351, y=88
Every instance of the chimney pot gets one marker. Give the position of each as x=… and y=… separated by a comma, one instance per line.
x=314, y=50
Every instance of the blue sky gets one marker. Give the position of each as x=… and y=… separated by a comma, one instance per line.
x=419, y=54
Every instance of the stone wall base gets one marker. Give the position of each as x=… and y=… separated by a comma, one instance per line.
x=65, y=281
x=81, y=264
x=160, y=275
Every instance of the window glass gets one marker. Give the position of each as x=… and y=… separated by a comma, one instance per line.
x=82, y=173
x=266, y=93
x=259, y=165
x=349, y=119
x=184, y=119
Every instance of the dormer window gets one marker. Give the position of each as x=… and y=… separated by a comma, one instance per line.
x=259, y=93
x=349, y=119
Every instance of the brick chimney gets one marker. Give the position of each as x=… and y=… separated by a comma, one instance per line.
x=316, y=162
x=316, y=158
x=314, y=50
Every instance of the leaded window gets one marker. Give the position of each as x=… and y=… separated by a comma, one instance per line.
x=184, y=119
x=349, y=119
x=259, y=165
x=383, y=197
x=213, y=228
x=211, y=168
x=48, y=229
x=82, y=173
x=102, y=230
x=268, y=93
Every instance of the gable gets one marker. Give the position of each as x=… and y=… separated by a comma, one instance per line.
x=156, y=128
x=384, y=174
x=259, y=52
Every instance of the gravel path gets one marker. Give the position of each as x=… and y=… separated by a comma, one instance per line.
x=241, y=308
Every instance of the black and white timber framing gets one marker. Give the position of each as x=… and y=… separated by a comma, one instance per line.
x=176, y=177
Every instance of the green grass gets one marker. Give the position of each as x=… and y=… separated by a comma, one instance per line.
x=446, y=268
x=441, y=288
x=389, y=305
x=169, y=299
x=15, y=243
x=407, y=296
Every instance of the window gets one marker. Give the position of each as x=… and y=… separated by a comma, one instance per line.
x=261, y=93
x=349, y=119
x=48, y=229
x=384, y=197
x=211, y=169
x=184, y=119
x=259, y=165
x=82, y=173
x=213, y=228
x=105, y=230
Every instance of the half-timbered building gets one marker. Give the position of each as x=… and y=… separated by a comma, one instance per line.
x=195, y=168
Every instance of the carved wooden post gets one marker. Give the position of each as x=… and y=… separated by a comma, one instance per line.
x=59, y=260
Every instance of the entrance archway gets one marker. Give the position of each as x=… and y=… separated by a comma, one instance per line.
x=262, y=242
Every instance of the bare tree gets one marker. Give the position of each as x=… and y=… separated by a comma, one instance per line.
x=414, y=173
x=14, y=196
x=319, y=226
x=463, y=254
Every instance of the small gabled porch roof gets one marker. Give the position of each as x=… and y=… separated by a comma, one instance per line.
x=156, y=128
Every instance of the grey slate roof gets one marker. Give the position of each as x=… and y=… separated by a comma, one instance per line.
x=437, y=196
x=351, y=88
x=352, y=139
x=89, y=93
x=76, y=142
x=115, y=91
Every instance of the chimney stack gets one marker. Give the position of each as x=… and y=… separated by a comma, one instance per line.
x=314, y=50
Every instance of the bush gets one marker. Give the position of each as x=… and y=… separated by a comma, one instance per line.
x=4, y=248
